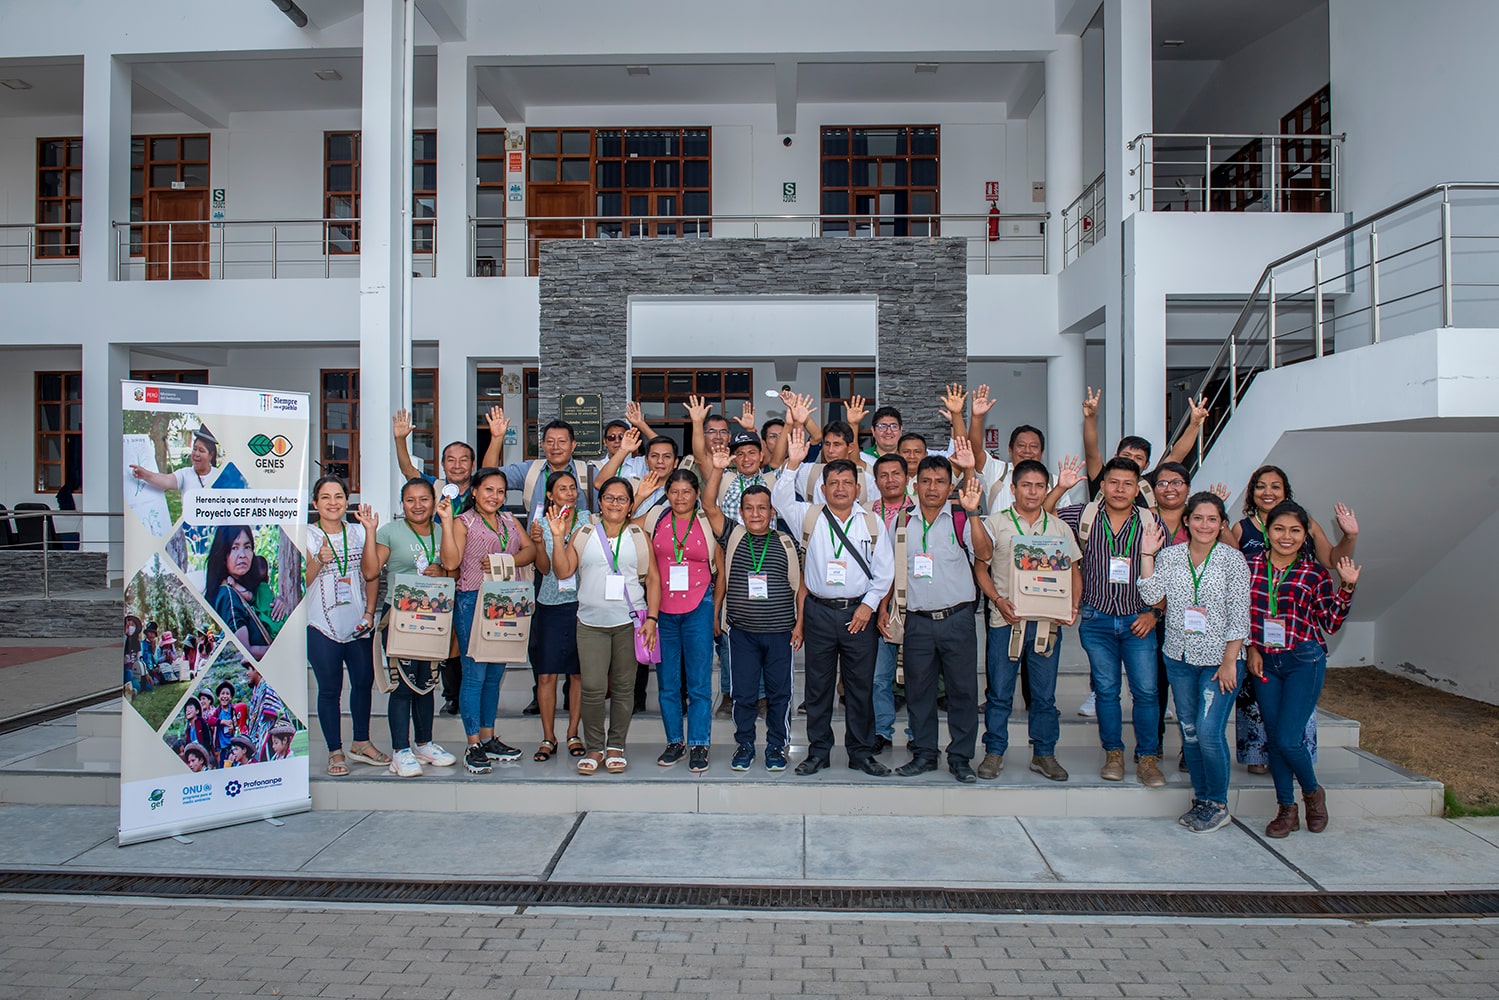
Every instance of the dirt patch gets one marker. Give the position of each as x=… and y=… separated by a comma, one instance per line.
x=1452, y=739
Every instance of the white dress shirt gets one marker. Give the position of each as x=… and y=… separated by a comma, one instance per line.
x=823, y=545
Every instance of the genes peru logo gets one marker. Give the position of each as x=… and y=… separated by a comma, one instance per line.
x=270, y=452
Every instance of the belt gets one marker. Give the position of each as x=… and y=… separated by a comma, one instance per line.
x=944, y=613
x=837, y=603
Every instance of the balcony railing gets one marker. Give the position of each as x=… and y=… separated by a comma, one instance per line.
x=1224, y=172
x=1005, y=244
x=1083, y=221
x=19, y=243
x=244, y=248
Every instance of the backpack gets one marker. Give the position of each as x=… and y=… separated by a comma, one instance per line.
x=1090, y=513
x=814, y=514
x=539, y=465
x=793, y=565
x=814, y=476
x=656, y=515
x=642, y=545
x=897, y=610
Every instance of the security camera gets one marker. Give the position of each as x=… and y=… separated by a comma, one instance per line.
x=786, y=141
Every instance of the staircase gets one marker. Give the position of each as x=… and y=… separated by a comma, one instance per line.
x=72, y=597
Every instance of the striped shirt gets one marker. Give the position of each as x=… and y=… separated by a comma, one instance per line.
x=1116, y=599
x=777, y=613
x=482, y=541
x=1306, y=600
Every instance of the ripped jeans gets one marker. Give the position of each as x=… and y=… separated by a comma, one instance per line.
x=1203, y=711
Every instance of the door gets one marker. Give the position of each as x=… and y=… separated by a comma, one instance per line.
x=556, y=212
x=180, y=250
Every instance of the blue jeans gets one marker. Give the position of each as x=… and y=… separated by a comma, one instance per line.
x=479, y=695
x=1043, y=719
x=884, y=691
x=1108, y=642
x=762, y=662
x=725, y=673
x=1288, y=698
x=328, y=660
x=687, y=642
x=1202, y=711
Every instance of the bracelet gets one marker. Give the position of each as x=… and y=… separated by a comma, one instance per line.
x=652, y=618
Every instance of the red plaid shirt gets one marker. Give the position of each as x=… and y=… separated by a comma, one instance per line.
x=1307, y=601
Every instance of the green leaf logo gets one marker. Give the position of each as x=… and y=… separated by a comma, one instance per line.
x=260, y=444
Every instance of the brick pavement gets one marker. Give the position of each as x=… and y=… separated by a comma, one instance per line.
x=128, y=951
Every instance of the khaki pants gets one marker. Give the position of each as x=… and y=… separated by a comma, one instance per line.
x=606, y=661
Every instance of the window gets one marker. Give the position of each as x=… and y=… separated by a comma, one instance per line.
x=341, y=190
x=185, y=376
x=339, y=445
x=662, y=394
x=59, y=430
x=423, y=191
x=424, y=440
x=156, y=163
x=1306, y=164
x=532, y=428
x=870, y=176
x=490, y=385
x=489, y=203
x=59, y=196
x=838, y=385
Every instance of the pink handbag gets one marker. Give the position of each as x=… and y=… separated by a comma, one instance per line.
x=642, y=654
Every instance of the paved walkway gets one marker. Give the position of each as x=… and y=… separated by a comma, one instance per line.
x=81, y=950
x=36, y=673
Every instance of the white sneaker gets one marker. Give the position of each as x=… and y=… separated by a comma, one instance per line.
x=403, y=764
x=431, y=753
x=1089, y=707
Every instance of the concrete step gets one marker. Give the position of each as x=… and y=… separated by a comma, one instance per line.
x=95, y=613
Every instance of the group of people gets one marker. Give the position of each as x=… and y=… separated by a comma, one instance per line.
x=873, y=562
x=154, y=656
x=218, y=731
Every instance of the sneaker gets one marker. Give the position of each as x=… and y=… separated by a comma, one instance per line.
x=1049, y=768
x=991, y=765
x=1149, y=772
x=801, y=709
x=743, y=758
x=431, y=753
x=449, y=707
x=476, y=760
x=1185, y=819
x=1209, y=818
x=495, y=750
x=725, y=708
x=671, y=754
x=775, y=758
x=697, y=759
x=403, y=764
x=1089, y=707
x=1113, y=766
x=1170, y=715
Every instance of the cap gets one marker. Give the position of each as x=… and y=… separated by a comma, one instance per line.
x=743, y=438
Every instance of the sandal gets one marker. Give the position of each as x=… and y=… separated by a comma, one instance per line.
x=590, y=763
x=614, y=761
x=545, y=751
x=336, y=766
x=371, y=755
x=576, y=747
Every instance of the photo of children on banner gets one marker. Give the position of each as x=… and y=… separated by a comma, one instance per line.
x=1040, y=588
x=507, y=602
x=251, y=576
x=169, y=635
x=417, y=625
x=233, y=717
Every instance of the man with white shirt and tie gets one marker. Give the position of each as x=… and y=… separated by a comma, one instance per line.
x=849, y=568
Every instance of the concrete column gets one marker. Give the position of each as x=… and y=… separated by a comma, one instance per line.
x=385, y=235
x=455, y=161
x=1064, y=139
x=106, y=161
x=104, y=367
x=1144, y=370
x=1065, y=377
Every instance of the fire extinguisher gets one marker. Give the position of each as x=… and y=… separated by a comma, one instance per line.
x=993, y=222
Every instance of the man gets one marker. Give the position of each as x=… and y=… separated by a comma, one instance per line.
x=893, y=507
x=1024, y=520
x=265, y=707
x=849, y=568
x=837, y=443
x=745, y=449
x=631, y=465
x=1133, y=447
x=558, y=442
x=886, y=425
x=1116, y=625
x=939, y=636
x=457, y=457
x=710, y=431
x=770, y=438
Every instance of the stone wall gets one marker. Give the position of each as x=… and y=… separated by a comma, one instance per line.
x=921, y=285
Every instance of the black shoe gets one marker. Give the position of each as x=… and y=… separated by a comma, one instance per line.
x=450, y=707
x=942, y=703
x=495, y=750
x=811, y=765
x=801, y=709
x=881, y=744
x=915, y=766
x=963, y=772
x=639, y=706
x=531, y=709
x=697, y=759
x=671, y=754
x=869, y=766
x=476, y=760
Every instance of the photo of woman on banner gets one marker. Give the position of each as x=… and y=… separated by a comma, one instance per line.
x=233, y=585
x=155, y=462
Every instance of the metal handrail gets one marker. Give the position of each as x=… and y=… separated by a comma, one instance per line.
x=1199, y=169
x=1236, y=352
x=47, y=515
x=31, y=244
x=704, y=227
x=1083, y=221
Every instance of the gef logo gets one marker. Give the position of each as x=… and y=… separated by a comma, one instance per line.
x=270, y=452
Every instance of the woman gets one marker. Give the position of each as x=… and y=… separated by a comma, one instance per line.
x=198, y=475
x=231, y=586
x=691, y=565
x=1268, y=487
x=339, y=624
x=554, y=629
x=1206, y=588
x=409, y=546
x=468, y=540
x=610, y=584
x=1293, y=604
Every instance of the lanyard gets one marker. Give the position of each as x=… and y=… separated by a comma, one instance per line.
x=342, y=564
x=759, y=560
x=1275, y=582
x=1129, y=536
x=505, y=538
x=887, y=514
x=678, y=545
x=431, y=553
x=833, y=536
x=1198, y=574
x=925, y=549
x=617, y=539
x=1019, y=530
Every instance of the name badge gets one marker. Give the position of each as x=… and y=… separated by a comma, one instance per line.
x=614, y=587
x=343, y=591
x=759, y=587
x=1118, y=569
x=677, y=579
x=1195, y=620
x=837, y=572
x=420, y=558
x=921, y=567
x=568, y=585
x=1275, y=632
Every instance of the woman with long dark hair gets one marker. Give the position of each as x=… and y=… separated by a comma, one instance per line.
x=231, y=584
x=554, y=630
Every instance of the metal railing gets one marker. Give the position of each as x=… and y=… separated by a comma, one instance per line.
x=508, y=245
x=1228, y=172
x=245, y=248
x=1083, y=221
x=19, y=247
x=1439, y=256
x=51, y=540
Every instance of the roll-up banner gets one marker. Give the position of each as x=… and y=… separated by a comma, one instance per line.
x=214, y=728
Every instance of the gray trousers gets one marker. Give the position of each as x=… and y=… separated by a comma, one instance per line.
x=948, y=647
x=606, y=665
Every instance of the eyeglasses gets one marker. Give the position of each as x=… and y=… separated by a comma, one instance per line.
x=718, y=432
x=1177, y=483
x=614, y=498
x=887, y=425
x=614, y=437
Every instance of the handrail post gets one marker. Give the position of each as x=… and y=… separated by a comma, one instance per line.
x=1233, y=383
x=327, y=251
x=169, y=251
x=273, y=252
x=221, y=251
x=46, y=549
x=1274, y=205
x=31, y=250
x=1374, y=283
x=1317, y=299
x=1446, y=261
x=1270, y=327
x=1207, y=178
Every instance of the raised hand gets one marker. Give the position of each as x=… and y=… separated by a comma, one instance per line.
x=325, y=552
x=798, y=409
x=1199, y=410
x=445, y=511
x=747, y=417
x=697, y=408
x=632, y=413
x=953, y=399
x=1346, y=519
x=856, y=410
x=557, y=521
x=367, y=517
x=1220, y=490
x=498, y=425
x=1152, y=538
x=1349, y=572
x=649, y=483
x=721, y=458
x=401, y=424
x=1090, y=403
x=1070, y=472
x=796, y=446
x=962, y=455
x=973, y=492
x=982, y=402
x=535, y=529
x=631, y=441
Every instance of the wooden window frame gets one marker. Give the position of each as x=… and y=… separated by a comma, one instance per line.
x=341, y=238
x=673, y=420
x=531, y=408
x=423, y=227
x=1305, y=160
x=1238, y=182
x=834, y=407
x=182, y=376
x=432, y=431
x=351, y=477
x=844, y=217
x=69, y=206
x=62, y=433
x=145, y=168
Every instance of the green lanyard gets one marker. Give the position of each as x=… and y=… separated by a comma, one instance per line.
x=679, y=545
x=759, y=560
x=343, y=564
x=833, y=536
x=431, y=553
x=885, y=513
x=925, y=549
x=1129, y=536
x=1019, y=530
x=1198, y=575
x=617, y=539
x=505, y=538
x=1275, y=582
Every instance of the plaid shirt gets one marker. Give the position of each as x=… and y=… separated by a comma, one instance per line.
x=1307, y=601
